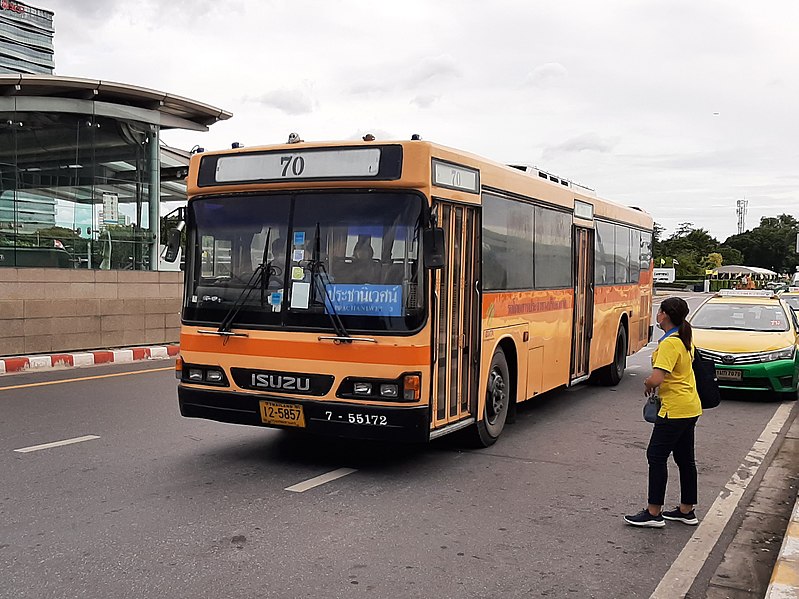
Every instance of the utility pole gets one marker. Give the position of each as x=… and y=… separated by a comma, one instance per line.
x=741, y=211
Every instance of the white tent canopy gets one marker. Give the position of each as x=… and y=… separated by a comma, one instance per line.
x=734, y=271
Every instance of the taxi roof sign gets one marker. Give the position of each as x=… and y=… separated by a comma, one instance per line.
x=745, y=293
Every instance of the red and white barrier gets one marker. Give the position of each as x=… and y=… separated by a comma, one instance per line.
x=91, y=358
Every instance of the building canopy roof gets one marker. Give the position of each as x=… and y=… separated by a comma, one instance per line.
x=736, y=270
x=54, y=86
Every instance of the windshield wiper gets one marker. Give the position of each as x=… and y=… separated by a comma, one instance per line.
x=262, y=273
x=316, y=268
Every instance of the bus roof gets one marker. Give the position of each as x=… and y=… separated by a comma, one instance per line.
x=417, y=155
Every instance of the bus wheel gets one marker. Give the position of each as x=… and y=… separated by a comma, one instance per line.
x=497, y=401
x=612, y=374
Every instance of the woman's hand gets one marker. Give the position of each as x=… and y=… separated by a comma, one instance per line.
x=654, y=380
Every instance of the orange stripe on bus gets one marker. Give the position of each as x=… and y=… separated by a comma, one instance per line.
x=611, y=294
x=519, y=303
x=321, y=351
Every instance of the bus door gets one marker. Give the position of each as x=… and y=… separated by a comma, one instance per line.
x=583, y=323
x=456, y=334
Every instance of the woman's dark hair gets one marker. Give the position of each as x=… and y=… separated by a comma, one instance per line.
x=677, y=309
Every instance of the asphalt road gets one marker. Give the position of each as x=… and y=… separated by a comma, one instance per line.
x=162, y=506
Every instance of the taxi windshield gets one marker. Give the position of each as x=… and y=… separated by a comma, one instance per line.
x=740, y=317
x=792, y=301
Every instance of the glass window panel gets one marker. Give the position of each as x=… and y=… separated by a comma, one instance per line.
x=507, y=244
x=604, y=263
x=553, y=244
x=646, y=250
x=622, y=255
x=635, y=255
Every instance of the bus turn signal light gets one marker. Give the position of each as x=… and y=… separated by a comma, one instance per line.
x=412, y=387
x=178, y=367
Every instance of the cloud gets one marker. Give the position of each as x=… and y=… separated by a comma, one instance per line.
x=433, y=69
x=587, y=142
x=88, y=8
x=423, y=75
x=290, y=101
x=546, y=74
x=425, y=100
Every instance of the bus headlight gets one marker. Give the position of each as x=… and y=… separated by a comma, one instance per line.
x=362, y=388
x=214, y=376
x=406, y=387
x=208, y=375
x=389, y=390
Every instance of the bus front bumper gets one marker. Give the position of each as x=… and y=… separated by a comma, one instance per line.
x=338, y=419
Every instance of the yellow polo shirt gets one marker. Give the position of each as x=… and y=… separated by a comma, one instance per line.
x=678, y=390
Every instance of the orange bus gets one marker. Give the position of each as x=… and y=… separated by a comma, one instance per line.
x=399, y=290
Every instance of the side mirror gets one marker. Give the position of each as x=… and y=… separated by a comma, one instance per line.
x=172, y=245
x=433, y=247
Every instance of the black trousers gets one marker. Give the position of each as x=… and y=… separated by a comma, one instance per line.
x=672, y=436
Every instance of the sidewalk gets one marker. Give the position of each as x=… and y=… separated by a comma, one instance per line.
x=762, y=558
x=86, y=358
x=785, y=578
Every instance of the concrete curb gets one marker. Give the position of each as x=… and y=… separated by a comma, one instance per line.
x=785, y=577
x=89, y=358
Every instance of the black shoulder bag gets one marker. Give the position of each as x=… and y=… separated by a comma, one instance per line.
x=707, y=385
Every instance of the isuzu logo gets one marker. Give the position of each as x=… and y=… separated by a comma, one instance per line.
x=296, y=383
x=281, y=382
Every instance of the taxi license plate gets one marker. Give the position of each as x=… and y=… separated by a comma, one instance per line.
x=282, y=414
x=729, y=375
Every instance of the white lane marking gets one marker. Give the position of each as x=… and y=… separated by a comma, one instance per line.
x=57, y=444
x=320, y=480
x=683, y=571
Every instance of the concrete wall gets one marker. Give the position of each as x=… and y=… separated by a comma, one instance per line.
x=45, y=310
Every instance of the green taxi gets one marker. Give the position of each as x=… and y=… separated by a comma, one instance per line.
x=752, y=337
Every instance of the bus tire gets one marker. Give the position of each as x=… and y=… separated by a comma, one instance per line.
x=612, y=374
x=487, y=430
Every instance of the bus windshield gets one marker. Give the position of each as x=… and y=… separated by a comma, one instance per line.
x=354, y=255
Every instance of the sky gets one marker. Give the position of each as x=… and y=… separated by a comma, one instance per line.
x=679, y=107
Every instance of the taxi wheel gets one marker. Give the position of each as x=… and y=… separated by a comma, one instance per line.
x=487, y=430
x=612, y=374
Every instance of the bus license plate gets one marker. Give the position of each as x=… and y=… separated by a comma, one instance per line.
x=729, y=375
x=282, y=414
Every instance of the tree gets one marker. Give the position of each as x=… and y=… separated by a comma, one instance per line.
x=657, y=239
x=712, y=261
x=689, y=245
x=772, y=244
x=730, y=255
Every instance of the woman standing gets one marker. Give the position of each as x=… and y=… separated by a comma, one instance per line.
x=673, y=433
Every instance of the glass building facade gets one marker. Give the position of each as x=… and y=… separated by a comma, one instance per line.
x=85, y=183
x=26, y=39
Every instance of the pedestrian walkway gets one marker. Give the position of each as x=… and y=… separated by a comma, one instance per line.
x=785, y=578
x=86, y=358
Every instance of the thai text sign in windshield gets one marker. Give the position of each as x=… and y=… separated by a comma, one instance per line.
x=364, y=300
